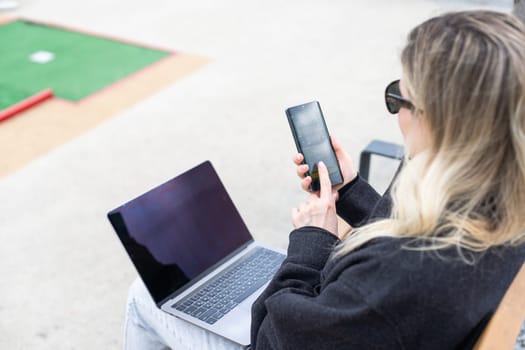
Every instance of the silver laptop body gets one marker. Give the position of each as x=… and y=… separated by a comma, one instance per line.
x=192, y=249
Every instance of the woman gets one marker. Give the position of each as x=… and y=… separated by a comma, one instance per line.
x=427, y=264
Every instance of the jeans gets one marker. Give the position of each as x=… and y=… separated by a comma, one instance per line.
x=149, y=328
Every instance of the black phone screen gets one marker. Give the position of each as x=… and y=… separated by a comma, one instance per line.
x=312, y=140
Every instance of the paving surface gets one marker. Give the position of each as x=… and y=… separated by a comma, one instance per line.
x=64, y=274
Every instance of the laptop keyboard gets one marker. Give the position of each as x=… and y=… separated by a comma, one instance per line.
x=231, y=286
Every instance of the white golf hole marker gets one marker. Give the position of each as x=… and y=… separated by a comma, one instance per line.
x=42, y=57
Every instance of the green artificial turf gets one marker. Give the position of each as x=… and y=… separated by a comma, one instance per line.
x=82, y=64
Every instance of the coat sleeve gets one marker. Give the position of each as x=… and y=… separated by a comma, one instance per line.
x=297, y=312
x=357, y=201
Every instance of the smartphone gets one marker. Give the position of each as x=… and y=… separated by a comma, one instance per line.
x=313, y=141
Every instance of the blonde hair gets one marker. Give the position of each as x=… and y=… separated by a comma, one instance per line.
x=466, y=72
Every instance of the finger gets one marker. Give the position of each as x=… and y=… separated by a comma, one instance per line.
x=298, y=158
x=344, y=159
x=324, y=180
x=305, y=184
x=335, y=142
x=338, y=148
x=302, y=170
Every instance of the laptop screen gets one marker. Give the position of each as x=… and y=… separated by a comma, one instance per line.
x=178, y=230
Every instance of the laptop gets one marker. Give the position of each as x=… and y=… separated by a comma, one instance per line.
x=194, y=253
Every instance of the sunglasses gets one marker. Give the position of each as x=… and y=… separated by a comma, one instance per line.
x=394, y=100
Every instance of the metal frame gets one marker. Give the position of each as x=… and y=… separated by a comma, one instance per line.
x=380, y=148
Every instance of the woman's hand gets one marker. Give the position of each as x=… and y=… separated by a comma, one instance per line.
x=345, y=164
x=319, y=210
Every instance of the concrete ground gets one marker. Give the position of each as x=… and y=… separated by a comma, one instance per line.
x=64, y=274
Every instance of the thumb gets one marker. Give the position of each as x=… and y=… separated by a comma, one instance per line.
x=338, y=148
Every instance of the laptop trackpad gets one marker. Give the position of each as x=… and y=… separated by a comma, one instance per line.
x=236, y=323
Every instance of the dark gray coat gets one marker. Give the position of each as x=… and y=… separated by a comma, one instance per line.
x=380, y=296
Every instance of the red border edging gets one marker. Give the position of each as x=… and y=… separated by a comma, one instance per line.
x=25, y=104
